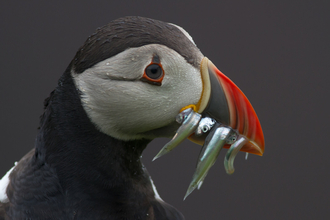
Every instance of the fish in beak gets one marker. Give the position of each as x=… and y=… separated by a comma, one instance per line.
x=223, y=118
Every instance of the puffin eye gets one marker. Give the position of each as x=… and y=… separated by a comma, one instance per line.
x=153, y=74
x=154, y=71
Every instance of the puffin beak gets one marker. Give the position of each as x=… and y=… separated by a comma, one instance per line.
x=223, y=118
x=223, y=101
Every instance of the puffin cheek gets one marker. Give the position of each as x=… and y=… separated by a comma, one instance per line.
x=183, y=86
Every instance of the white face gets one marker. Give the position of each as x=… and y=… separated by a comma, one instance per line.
x=124, y=107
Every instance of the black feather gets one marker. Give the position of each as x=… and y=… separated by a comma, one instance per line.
x=77, y=172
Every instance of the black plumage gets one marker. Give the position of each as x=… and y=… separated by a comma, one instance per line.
x=77, y=172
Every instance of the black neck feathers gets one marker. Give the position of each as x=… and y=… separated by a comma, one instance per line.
x=100, y=177
x=68, y=139
x=94, y=170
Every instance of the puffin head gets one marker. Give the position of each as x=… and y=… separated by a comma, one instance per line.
x=139, y=77
x=138, y=92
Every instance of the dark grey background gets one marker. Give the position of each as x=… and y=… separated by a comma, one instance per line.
x=277, y=52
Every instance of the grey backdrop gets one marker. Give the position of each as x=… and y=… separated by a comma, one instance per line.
x=277, y=52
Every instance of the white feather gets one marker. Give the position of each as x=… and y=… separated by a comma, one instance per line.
x=155, y=190
x=3, y=185
x=184, y=32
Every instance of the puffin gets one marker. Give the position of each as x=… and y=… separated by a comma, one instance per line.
x=133, y=80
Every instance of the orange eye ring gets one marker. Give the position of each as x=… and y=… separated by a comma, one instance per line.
x=153, y=74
